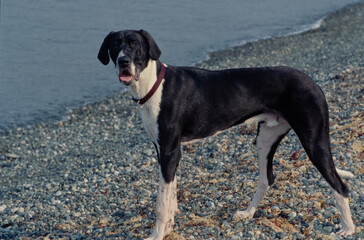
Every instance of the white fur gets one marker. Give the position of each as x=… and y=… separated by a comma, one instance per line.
x=121, y=54
x=345, y=174
x=272, y=128
x=348, y=227
x=166, y=208
x=270, y=118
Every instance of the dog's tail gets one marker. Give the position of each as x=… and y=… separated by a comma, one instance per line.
x=345, y=174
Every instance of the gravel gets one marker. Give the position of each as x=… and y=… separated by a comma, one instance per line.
x=95, y=176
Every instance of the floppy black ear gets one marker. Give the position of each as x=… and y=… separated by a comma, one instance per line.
x=103, y=55
x=154, y=51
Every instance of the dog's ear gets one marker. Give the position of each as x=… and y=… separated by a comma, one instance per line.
x=154, y=51
x=103, y=55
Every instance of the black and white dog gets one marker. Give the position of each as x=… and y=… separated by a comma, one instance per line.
x=182, y=104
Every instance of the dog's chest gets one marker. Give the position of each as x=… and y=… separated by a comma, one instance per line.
x=149, y=114
x=150, y=110
x=149, y=117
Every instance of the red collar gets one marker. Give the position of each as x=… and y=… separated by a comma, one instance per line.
x=154, y=88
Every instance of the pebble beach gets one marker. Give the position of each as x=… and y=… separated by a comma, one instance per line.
x=95, y=175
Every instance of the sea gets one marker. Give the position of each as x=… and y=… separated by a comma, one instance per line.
x=48, y=48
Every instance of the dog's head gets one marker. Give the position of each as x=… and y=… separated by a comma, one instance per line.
x=130, y=51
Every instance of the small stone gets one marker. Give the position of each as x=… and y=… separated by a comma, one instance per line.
x=226, y=224
x=89, y=229
x=358, y=229
x=280, y=235
x=29, y=214
x=300, y=236
x=14, y=209
x=56, y=202
x=148, y=152
x=276, y=208
x=12, y=155
x=229, y=197
x=250, y=233
x=257, y=233
x=291, y=215
x=323, y=184
x=104, y=221
x=2, y=208
x=210, y=205
x=12, y=218
x=58, y=193
x=77, y=214
x=327, y=229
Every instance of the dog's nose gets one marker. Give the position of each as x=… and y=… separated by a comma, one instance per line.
x=124, y=61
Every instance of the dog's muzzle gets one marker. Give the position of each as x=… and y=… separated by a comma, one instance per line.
x=125, y=72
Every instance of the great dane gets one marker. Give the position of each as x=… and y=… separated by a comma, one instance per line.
x=183, y=104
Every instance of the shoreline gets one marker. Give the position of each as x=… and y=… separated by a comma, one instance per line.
x=332, y=33
x=241, y=43
x=95, y=175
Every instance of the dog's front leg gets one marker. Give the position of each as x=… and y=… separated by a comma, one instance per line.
x=166, y=208
x=166, y=198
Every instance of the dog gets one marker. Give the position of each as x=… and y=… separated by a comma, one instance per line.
x=183, y=104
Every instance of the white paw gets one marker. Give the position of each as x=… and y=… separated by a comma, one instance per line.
x=161, y=230
x=247, y=214
x=153, y=237
x=347, y=231
x=150, y=238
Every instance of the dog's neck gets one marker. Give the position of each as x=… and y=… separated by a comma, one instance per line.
x=147, y=78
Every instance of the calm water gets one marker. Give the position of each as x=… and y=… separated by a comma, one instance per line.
x=48, y=48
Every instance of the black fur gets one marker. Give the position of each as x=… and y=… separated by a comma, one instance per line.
x=153, y=49
x=103, y=55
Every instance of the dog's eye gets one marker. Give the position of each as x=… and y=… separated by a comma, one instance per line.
x=134, y=44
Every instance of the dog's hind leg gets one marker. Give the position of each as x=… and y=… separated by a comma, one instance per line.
x=270, y=133
x=317, y=145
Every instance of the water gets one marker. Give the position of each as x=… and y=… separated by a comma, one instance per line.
x=48, y=48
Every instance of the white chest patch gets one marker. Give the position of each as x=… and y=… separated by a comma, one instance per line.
x=149, y=116
x=150, y=110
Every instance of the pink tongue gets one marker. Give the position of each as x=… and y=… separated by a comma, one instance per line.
x=125, y=78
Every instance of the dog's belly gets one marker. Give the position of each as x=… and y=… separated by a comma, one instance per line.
x=271, y=119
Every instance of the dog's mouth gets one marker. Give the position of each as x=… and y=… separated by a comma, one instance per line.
x=125, y=76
